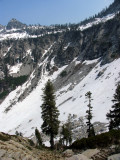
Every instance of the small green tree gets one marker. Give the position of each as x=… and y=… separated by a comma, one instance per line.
x=38, y=137
x=114, y=115
x=66, y=134
x=90, y=129
x=49, y=113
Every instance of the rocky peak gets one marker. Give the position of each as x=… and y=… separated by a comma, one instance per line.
x=13, y=23
x=1, y=27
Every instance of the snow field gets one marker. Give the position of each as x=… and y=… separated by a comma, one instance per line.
x=25, y=116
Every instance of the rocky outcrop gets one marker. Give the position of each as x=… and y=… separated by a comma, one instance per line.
x=94, y=154
x=19, y=148
x=15, y=24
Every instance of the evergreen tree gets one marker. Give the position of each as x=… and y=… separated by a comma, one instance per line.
x=114, y=115
x=90, y=129
x=6, y=71
x=66, y=133
x=38, y=137
x=49, y=113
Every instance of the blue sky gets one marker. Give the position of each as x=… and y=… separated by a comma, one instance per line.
x=46, y=12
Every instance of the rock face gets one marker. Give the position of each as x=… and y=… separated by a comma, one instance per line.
x=15, y=24
x=1, y=27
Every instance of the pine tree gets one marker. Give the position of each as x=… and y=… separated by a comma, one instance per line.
x=38, y=137
x=90, y=129
x=49, y=113
x=66, y=132
x=114, y=115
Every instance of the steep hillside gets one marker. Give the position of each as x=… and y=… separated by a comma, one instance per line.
x=76, y=60
x=14, y=147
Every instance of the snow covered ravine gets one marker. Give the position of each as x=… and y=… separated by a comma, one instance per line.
x=25, y=116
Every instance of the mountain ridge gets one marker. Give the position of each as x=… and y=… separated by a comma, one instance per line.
x=75, y=60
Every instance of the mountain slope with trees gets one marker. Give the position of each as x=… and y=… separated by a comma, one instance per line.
x=76, y=61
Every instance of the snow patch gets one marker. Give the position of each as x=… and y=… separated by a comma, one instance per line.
x=65, y=48
x=15, y=69
x=96, y=21
x=87, y=62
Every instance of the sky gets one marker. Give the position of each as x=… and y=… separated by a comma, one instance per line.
x=47, y=12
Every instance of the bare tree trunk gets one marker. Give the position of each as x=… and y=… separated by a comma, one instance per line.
x=52, y=141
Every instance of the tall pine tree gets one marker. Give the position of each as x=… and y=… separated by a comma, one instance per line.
x=114, y=115
x=90, y=129
x=50, y=113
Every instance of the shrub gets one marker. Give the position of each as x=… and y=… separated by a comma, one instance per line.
x=100, y=141
x=31, y=142
x=4, y=137
x=63, y=74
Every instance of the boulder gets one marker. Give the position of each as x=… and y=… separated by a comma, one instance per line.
x=2, y=152
x=90, y=152
x=78, y=157
x=114, y=157
x=68, y=153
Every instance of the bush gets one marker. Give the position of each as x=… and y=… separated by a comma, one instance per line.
x=63, y=74
x=31, y=142
x=100, y=141
x=4, y=137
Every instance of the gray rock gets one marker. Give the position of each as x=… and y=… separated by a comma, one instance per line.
x=68, y=153
x=114, y=157
x=90, y=152
x=78, y=157
x=2, y=152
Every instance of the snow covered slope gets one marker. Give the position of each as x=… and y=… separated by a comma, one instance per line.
x=89, y=55
x=25, y=116
x=96, y=21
